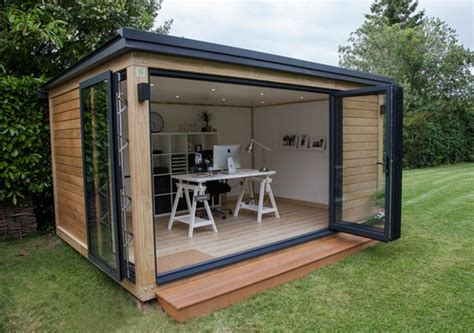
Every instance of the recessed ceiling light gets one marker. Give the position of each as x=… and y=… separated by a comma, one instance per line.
x=263, y=102
x=301, y=97
x=261, y=94
x=177, y=96
x=213, y=89
x=224, y=100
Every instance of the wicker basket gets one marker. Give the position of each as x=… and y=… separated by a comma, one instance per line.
x=16, y=222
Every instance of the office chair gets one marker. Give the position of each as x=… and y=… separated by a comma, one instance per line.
x=215, y=188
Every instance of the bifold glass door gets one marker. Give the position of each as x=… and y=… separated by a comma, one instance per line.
x=362, y=162
x=97, y=121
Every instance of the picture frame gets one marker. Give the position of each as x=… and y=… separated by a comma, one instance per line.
x=289, y=141
x=303, y=141
x=317, y=143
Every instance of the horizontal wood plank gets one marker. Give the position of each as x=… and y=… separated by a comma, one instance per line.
x=76, y=189
x=70, y=178
x=73, y=225
x=190, y=298
x=359, y=104
x=71, y=205
x=359, y=162
x=66, y=97
x=74, y=143
x=353, y=121
x=358, y=146
x=67, y=134
x=71, y=161
x=360, y=129
x=360, y=194
x=347, y=138
x=352, y=171
x=348, y=180
x=67, y=106
x=350, y=155
x=70, y=196
x=69, y=152
x=361, y=202
x=67, y=124
x=359, y=186
x=66, y=115
x=355, y=113
x=356, y=214
x=374, y=99
x=70, y=170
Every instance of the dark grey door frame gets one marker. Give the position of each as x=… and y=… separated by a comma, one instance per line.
x=392, y=161
x=236, y=257
x=112, y=84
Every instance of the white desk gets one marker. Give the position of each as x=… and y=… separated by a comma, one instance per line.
x=195, y=183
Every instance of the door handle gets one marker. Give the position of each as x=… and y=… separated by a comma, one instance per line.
x=386, y=164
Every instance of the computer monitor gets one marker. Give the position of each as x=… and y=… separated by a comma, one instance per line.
x=221, y=152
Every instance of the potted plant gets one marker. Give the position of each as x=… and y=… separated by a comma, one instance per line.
x=206, y=117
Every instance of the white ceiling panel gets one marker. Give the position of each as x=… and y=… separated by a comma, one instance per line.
x=183, y=91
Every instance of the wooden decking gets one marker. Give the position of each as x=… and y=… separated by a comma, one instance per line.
x=204, y=293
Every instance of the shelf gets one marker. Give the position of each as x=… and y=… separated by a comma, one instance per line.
x=198, y=221
x=176, y=149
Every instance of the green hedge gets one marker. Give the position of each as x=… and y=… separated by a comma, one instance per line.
x=439, y=137
x=25, y=169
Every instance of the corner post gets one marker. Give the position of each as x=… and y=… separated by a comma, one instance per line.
x=141, y=182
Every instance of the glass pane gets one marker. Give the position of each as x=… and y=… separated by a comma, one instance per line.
x=363, y=156
x=98, y=173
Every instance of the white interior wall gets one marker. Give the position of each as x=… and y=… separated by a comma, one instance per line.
x=301, y=175
x=233, y=125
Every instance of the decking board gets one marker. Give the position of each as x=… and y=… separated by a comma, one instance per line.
x=198, y=296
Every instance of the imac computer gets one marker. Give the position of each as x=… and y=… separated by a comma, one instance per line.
x=222, y=152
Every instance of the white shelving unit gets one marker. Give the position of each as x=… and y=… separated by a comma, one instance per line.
x=171, y=157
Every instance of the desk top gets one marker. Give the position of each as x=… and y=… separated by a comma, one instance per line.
x=206, y=177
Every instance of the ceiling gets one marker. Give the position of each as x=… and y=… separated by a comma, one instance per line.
x=183, y=91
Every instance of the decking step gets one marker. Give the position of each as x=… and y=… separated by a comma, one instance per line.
x=204, y=293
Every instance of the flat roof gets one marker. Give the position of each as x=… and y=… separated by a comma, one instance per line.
x=128, y=40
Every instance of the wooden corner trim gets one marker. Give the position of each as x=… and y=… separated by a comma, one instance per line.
x=72, y=240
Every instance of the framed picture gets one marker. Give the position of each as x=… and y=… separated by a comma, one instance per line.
x=289, y=141
x=317, y=143
x=198, y=148
x=303, y=141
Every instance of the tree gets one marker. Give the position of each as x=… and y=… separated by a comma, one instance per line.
x=403, y=12
x=426, y=60
x=425, y=57
x=37, y=41
x=45, y=38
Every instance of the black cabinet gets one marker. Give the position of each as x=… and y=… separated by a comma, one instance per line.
x=162, y=204
x=162, y=184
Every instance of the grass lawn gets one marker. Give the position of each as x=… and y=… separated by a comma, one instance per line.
x=422, y=282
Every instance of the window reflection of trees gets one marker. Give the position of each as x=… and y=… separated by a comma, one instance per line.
x=97, y=165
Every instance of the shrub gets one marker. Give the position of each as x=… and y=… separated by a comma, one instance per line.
x=440, y=137
x=25, y=169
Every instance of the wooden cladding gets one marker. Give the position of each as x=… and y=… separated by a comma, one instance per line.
x=362, y=149
x=67, y=160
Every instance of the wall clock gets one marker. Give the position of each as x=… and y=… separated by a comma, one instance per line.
x=156, y=122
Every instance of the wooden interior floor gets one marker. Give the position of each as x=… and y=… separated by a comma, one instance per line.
x=175, y=250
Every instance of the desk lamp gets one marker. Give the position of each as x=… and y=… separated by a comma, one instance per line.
x=250, y=147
